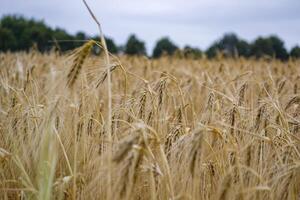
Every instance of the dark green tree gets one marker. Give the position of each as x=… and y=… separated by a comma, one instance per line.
x=111, y=46
x=27, y=32
x=16, y=25
x=7, y=40
x=243, y=48
x=65, y=41
x=38, y=33
x=262, y=47
x=18, y=33
x=295, y=52
x=81, y=36
x=191, y=52
x=164, y=45
x=230, y=45
x=269, y=46
x=134, y=46
x=212, y=51
x=279, y=49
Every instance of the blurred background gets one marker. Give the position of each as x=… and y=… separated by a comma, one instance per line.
x=249, y=28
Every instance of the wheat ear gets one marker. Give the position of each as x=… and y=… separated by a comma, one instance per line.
x=80, y=57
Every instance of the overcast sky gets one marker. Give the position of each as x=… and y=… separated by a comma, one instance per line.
x=194, y=22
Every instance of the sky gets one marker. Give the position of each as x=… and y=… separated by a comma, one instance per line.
x=197, y=23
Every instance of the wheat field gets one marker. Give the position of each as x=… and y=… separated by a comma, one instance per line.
x=180, y=128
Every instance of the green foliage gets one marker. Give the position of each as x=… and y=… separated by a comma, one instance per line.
x=295, y=52
x=62, y=39
x=212, y=51
x=26, y=33
x=191, y=52
x=164, y=45
x=111, y=46
x=134, y=46
x=270, y=46
x=243, y=48
x=18, y=33
x=7, y=40
x=230, y=45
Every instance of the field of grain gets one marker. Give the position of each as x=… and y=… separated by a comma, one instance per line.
x=180, y=128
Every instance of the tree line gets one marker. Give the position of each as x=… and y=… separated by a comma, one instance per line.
x=20, y=34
